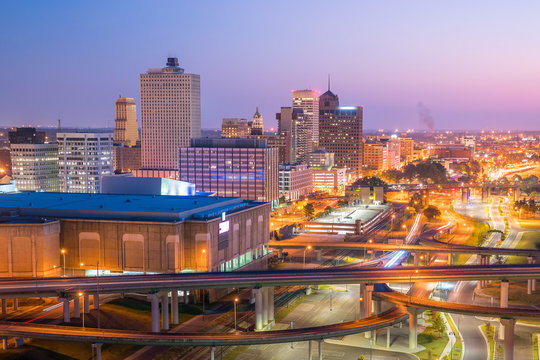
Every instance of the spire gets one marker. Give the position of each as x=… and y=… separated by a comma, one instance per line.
x=328, y=82
x=257, y=112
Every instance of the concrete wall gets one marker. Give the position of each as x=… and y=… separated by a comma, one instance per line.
x=29, y=249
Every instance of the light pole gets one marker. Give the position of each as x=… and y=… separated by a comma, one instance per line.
x=63, y=251
x=97, y=290
x=331, y=293
x=406, y=230
x=235, y=301
x=392, y=221
x=357, y=308
x=202, y=260
x=306, y=249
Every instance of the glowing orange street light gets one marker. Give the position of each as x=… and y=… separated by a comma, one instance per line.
x=235, y=301
x=63, y=252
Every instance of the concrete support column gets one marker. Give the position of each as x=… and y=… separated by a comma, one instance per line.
x=265, y=306
x=186, y=297
x=67, y=318
x=319, y=254
x=530, y=290
x=320, y=349
x=15, y=304
x=388, y=337
x=258, y=308
x=76, y=307
x=413, y=332
x=270, y=304
x=86, y=303
x=450, y=258
x=4, y=343
x=174, y=306
x=363, y=297
x=504, y=293
x=212, y=353
x=4, y=307
x=509, y=325
x=310, y=352
x=96, y=301
x=155, y=311
x=98, y=350
x=368, y=304
x=378, y=306
x=165, y=310
x=415, y=256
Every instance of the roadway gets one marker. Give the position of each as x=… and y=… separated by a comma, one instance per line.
x=111, y=336
x=152, y=283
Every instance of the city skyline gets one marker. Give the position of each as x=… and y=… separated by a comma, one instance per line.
x=469, y=66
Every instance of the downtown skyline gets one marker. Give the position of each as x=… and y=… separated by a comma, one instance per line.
x=469, y=68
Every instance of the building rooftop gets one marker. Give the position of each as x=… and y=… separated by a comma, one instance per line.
x=157, y=208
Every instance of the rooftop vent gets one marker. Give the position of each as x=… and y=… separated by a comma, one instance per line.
x=172, y=61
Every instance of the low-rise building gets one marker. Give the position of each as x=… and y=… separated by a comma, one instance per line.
x=295, y=181
x=331, y=180
x=129, y=233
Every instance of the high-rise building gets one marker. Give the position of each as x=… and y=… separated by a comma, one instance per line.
x=83, y=159
x=288, y=120
x=170, y=114
x=245, y=168
x=126, y=158
x=341, y=130
x=126, y=129
x=34, y=162
x=308, y=126
x=321, y=158
x=257, y=123
x=234, y=128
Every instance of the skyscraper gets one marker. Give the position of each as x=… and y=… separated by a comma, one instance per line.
x=126, y=129
x=83, y=159
x=257, y=123
x=308, y=128
x=34, y=162
x=288, y=120
x=341, y=131
x=170, y=114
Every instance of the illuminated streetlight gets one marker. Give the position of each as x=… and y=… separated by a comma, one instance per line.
x=202, y=258
x=235, y=301
x=81, y=294
x=63, y=251
x=306, y=249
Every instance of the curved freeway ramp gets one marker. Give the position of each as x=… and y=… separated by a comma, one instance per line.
x=108, y=336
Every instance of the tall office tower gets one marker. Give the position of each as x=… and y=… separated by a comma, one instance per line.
x=288, y=120
x=83, y=159
x=126, y=129
x=257, y=123
x=34, y=163
x=308, y=128
x=170, y=114
x=245, y=168
x=234, y=128
x=341, y=131
x=393, y=146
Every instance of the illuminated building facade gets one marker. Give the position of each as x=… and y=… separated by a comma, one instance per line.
x=234, y=128
x=170, y=114
x=83, y=159
x=34, y=163
x=308, y=125
x=341, y=129
x=126, y=129
x=257, y=127
x=246, y=168
x=375, y=155
x=329, y=180
x=295, y=181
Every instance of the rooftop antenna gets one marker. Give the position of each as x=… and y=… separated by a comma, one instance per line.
x=59, y=125
x=328, y=82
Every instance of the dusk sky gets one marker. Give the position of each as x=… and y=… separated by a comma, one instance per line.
x=474, y=65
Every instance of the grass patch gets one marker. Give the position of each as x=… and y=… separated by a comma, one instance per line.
x=433, y=342
x=489, y=331
x=478, y=235
x=535, y=346
x=529, y=240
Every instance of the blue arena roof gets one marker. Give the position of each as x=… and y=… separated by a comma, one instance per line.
x=121, y=207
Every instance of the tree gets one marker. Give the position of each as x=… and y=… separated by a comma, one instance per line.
x=369, y=181
x=416, y=202
x=432, y=212
x=328, y=209
x=438, y=324
x=309, y=209
x=282, y=200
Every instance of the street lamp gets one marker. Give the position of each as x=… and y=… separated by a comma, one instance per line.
x=357, y=307
x=406, y=230
x=392, y=221
x=63, y=251
x=306, y=249
x=202, y=255
x=235, y=301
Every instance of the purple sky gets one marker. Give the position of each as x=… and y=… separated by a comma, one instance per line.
x=474, y=65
